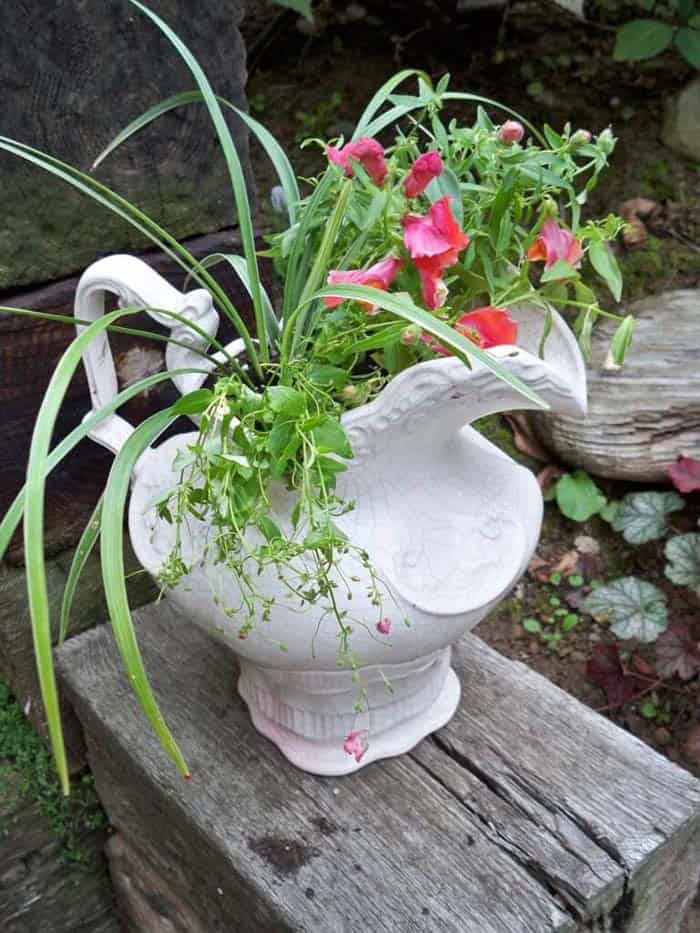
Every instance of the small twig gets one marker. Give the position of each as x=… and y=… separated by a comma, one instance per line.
x=633, y=699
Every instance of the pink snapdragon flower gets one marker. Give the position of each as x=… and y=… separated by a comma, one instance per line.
x=384, y=626
x=434, y=242
x=424, y=169
x=486, y=327
x=380, y=275
x=555, y=243
x=368, y=152
x=356, y=744
x=512, y=131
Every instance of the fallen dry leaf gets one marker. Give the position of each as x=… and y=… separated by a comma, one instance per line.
x=548, y=475
x=605, y=669
x=677, y=652
x=567, y=564
x=525, y=439
x=642, y=666
x=632, y=212
x=692, y=744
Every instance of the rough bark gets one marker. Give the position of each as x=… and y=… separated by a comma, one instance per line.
x=77, y=73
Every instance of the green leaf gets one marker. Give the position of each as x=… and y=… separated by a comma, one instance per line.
x=323, y=374
x=570, y=621
x=621, y=341
x=194, y=403
x=643, y=516
x=648, y=709
x=286, y=401
x=302, y=7
x=642, y=38
x=607, y=268
x=269, y=529
x=683, y=554
x=688, y=44
x=533, y=626
x=330, y=438
x=275, y=152
x=404, y=308
x=235, y=170
x=635, y=608
x=13, y=516
x=447, y=183
x=578, y=497
x=367, y=125
x=112, y=559
x=87, y=542
x=560, y=270
x=609, y=510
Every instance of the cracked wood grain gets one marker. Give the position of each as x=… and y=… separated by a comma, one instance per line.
x=642, y=416
x=482, y=830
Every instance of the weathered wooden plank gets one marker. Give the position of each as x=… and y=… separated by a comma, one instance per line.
x=40, y=892
x=455, y=837
x=77, y=75
x=628, y=819
x=640, y=418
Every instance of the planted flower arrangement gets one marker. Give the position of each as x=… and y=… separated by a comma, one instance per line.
x=332, y=516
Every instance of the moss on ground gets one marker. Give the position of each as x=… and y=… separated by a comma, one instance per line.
x=656, y=266
x=26, y=767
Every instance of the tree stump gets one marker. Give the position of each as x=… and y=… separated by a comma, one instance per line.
x=77, y=73
x=528, y=813
x=641, y=417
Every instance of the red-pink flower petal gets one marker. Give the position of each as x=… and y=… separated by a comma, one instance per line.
x=380, y=275
x=432, y=286
x=437, y=234
x=424, y=169
x=368, y=152
x=488, y=327
x=384, y=626
x=356, y=744
x=555, y=243
x=685, y=474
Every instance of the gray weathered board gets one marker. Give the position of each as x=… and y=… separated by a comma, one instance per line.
x=528, y=813
x=40, y=891
x=74, y=73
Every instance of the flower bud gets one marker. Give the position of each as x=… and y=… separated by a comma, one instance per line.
x=512, y=131
x=410, y=335
x=606, y=141
x=580, y=138
x=350, y=393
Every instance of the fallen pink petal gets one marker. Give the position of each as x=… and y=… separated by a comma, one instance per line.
x=356, y=744
x=685, y=474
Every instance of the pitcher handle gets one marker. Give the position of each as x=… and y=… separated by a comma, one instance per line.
x=135, y=283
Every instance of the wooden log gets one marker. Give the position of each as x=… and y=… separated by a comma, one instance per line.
x=77, y=74
x=29, y=351
x=640, y=418
x=41, y=892
x=527, y=813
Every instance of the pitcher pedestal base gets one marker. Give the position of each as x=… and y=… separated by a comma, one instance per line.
x=425, y=696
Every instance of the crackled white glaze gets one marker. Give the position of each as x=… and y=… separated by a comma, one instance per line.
x=449, y=522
